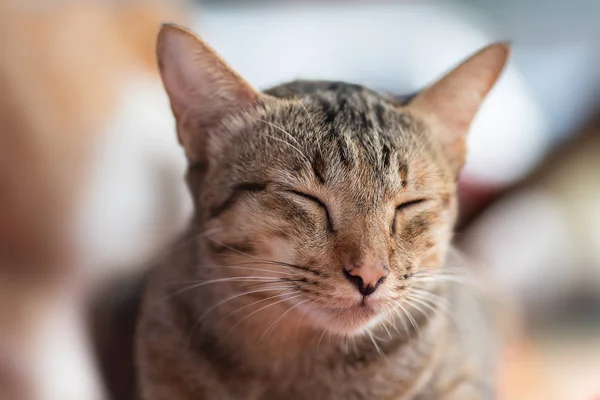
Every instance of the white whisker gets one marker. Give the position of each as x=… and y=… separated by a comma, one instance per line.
x=262, y=308
x=279, y=319
x=375, y=344
x=410, y=318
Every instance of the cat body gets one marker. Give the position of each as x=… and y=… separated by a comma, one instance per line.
x=316, y=265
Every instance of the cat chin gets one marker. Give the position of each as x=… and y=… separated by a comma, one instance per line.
x=347, y=321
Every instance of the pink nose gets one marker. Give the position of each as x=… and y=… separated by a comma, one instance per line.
x=366, y=277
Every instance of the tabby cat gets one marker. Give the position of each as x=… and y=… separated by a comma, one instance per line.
x=316, y=266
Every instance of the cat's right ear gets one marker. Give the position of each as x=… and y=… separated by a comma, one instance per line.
x=202, y=88
x=452, y=102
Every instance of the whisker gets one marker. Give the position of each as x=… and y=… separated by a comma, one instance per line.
x=428, y=295
x=416, y=307
x=223, y=280
x=262, y=260
x=441, y=279
x=232, y=298
x=410, y=319
x=307, y=113
x=181, y=244
x=294, y=283
x=280, y=129
x=292, y=146
x=279, y=319
x=375, y=344
x=240, y=295
x=428, y=303
x=300, y=323
x=239, y=266
x=392, y=320
x=262, y=308
x=401, y=318
x=384, y=325
x=320, y=339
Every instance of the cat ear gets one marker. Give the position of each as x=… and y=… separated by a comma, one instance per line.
x=453, y=101
x=202, y=88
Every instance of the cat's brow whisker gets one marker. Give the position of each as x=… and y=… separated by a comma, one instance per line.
x=307, y=113
x=292, y=146
x=280, y=129
x=312, y=122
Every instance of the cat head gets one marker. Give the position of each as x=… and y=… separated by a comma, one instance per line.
x=334, y=194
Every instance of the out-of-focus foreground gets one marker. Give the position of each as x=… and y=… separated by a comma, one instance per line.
x=91, y=175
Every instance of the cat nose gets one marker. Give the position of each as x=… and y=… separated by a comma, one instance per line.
x=366, y=277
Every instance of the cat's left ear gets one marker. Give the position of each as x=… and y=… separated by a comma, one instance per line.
x=451, y=103
x=202, y=88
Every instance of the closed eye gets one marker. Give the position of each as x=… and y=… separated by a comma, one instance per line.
x=404, y=207
x=409, y=204
x=318, y=202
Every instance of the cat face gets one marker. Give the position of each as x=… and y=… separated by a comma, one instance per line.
x=333, y=194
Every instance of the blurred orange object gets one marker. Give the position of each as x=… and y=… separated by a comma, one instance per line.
x=520, y=373
x=63, y=69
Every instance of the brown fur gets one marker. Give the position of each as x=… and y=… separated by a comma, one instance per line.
x=290, y=186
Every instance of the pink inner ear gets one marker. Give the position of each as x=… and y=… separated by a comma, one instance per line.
x=202, y=88
x=452, y=102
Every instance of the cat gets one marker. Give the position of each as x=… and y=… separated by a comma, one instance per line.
x=317, y=261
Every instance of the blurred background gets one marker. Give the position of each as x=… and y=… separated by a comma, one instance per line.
x=90, y=169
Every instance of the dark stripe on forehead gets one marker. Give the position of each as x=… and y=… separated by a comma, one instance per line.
x=319, y=167
x=386, y=154
x=379, y=115
x=328, y=111
x=345, y=153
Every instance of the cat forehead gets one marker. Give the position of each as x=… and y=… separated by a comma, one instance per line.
x=344, y=124
x=334, y=133
x=339, y=104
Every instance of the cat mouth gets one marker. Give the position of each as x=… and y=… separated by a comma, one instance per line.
x=351, y=319
x=357, y=310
